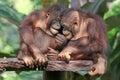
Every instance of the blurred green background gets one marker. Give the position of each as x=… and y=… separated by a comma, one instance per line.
x=12, y=12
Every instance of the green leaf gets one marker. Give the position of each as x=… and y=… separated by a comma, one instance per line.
x=114, y=10
x=112, y=36
x=9, y=38
x=1, y=78
x=31, y=75
x=115, y=60
x=10, y=14
x=93, y=6
x=10, y=76
x=113, y=21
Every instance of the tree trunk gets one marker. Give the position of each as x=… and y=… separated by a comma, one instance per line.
x=54, y=75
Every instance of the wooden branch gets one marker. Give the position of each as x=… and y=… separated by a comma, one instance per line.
x=13, y=64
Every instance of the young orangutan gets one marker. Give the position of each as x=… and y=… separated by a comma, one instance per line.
x=39, y=32
x=89, y=39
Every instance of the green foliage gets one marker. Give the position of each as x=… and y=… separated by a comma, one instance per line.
x=10, y=76
x=5, y=2
x=9, y=21
x=112, y=16
x=12, y=12
x=9, y=38
x=37, y=4
x=113, y=22
x=93, y=6
x=31, y=75
x=114, y=10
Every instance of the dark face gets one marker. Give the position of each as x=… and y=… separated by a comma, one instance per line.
x=55, y=27
x=52, y=14
x=48, y=19
x=70, y=19
x=70, y=22
x=54, y=22
x=75, y=22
